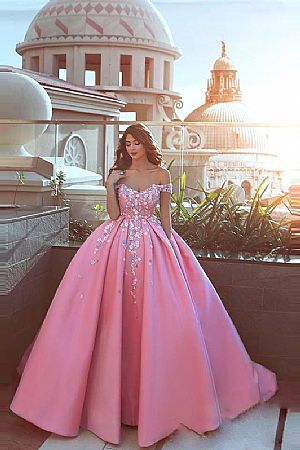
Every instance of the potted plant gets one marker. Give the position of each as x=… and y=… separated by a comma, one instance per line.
x=20, y=180
x=218, y=223
x=57, y=183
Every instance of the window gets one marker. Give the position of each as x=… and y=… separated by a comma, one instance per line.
x=59, y=66
x=149, y=63
x=75, y=152
x=92, y=70
x=167, y=73
x=125, y=73
x=35, y=63
x=62, y=74
x=126, y=116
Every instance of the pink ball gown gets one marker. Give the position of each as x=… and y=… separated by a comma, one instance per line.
x=136, y=334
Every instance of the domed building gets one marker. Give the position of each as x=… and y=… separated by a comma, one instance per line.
x=243, y=154
x=97, y=59
x=117, y=47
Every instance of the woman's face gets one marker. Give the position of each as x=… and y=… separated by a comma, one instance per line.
x=134, y=148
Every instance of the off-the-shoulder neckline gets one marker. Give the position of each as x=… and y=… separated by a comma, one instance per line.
x=149, y=187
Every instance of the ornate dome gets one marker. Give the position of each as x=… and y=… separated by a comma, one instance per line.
x=231, y=137
x=224, y=63
x=133, y=22
x=223, y=112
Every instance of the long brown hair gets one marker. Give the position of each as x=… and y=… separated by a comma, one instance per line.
x=144, y=136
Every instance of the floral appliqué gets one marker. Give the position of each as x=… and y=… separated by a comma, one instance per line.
x=137, y=212
x=101, y=240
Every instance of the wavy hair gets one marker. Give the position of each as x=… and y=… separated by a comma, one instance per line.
x=144, y=136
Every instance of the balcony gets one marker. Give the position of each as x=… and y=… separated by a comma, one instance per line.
x=261, y=294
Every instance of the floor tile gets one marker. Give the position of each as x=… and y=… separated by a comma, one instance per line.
x=291, y=434
x=255, y=429
x=129, y=440
x=84, y=441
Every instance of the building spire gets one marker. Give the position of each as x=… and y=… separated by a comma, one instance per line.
x=224, y=49
x=223, y=85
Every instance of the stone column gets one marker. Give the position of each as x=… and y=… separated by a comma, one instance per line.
x=158, y=75
x=78, y=65
x=48, y=62
x=138, y=69
x=171, y=75
x=110, y=67
x=70, y=65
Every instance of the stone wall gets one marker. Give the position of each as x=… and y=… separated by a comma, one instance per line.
x=263, y=300
x=26, y=287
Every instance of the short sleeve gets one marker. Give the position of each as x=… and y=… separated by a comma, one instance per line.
x=166, y=188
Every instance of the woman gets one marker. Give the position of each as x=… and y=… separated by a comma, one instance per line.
x=136, y=333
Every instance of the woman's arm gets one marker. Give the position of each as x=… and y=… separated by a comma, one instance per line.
x=165, y=210
x=112, y=204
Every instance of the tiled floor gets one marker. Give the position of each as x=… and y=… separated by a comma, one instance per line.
x=17, y=434
x=21, y=435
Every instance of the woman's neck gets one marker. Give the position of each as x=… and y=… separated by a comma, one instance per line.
x=140, y=166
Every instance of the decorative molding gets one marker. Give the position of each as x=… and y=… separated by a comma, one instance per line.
x=162, y=102
x=181, y=137
x=103, y=8
x=196, y=139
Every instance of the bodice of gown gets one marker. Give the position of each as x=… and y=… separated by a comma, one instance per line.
x=135, y=220
x=140, y=205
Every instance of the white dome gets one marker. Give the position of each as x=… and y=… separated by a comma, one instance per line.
x=133, y=22
x=221, y=112
x=21, y=98
x=226, y=112
x=231, y=137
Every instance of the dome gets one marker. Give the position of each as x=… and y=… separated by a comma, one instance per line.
x=224, y=63
x=21, y=98
x=226, y=112
x=231, y=137
x=221, y=112
x=134, y=22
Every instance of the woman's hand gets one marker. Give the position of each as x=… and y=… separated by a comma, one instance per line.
x=115, y=176
x=112, y=204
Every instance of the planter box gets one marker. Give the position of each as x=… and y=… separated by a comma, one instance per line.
x=263, y=300
x=26, y=236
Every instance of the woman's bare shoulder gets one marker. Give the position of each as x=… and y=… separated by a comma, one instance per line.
x=165, y=176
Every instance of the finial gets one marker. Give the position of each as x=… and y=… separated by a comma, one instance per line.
x=224, y=49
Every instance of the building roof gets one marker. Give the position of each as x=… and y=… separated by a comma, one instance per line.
x=223, y=105
x=134, y=22
x=54, y=82
x=230, y=112
x=224, y=63
x=231, y=137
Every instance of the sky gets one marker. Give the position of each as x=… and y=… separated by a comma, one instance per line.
x=263, y=39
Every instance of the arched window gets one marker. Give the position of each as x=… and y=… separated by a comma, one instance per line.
x=75, y=152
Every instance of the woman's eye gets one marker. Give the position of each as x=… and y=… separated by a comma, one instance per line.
x=128, y=144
